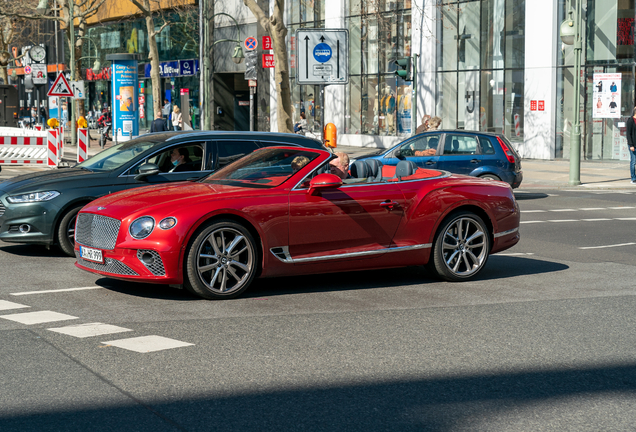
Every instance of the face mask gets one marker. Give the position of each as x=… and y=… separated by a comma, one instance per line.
x=175, y=163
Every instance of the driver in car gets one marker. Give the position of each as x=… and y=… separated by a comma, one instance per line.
x=179, y=157
x=340, y=166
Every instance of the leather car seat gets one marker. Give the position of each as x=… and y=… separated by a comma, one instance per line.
x=359, y=170
x=375, y=169
x=405, y=168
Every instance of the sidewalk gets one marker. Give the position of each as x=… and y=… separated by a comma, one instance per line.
x=537, y=174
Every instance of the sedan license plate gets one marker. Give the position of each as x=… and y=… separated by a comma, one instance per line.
x=91, y=254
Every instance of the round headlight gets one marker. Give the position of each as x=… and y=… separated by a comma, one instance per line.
x=142, y=227
x=167, y=223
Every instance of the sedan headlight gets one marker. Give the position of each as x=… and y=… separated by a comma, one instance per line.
x=33, y=197
x=167, y=223
x=142, y=227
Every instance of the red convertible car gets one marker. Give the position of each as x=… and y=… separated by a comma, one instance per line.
x=278, y=212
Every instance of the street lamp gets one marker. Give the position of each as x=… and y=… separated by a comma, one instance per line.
x=97, y=65
x=237, y=55
x=571, y=35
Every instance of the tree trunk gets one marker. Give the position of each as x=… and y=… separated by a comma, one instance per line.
x=283, y=100
x=155, y=74
x=4, y=75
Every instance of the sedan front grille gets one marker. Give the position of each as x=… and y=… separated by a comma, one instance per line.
x=2, y=209
x=109, y=266
x=97, y=231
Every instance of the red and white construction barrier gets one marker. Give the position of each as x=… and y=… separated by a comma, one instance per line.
x=38, y=127
x=60, y=138
x=82, y=145
x=53, y=153
x=517, y=126
x=21, y=147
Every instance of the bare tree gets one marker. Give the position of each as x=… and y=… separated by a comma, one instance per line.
x=275, y=26
x=14, y=31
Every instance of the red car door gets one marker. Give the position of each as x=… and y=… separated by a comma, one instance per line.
x=353, y=218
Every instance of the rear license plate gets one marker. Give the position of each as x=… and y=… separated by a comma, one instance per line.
x=91, y=254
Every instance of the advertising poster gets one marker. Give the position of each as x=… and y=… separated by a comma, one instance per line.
x=125, y=83
x=606, y=95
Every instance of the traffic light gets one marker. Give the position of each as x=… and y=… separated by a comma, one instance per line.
x=404, y=68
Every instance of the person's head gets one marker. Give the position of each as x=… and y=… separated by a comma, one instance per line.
x=179, y=156
x=434, y=122
x=302, y=115
x=158, y=115
x=298, y=162
x=176, y=109
x=599, y=99
x=340, y=165
x=634, y=112
x=165, y=101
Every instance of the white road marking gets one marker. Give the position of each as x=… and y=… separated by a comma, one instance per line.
x=89, y=330
x=533, y=211
x=514, y=254
x=592, y=208
x=145, y=344
x=527, y=222
x=564, y=220
x=6, y=305
x=626, y=219
x=564, y=210
x=608, y=246
x=621, y=208
x=40, y=317
x=596, y=220
x=55, y=291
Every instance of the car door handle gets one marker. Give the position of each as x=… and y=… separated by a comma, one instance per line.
x=431, y=162
x=475, y=161
x=389, y=204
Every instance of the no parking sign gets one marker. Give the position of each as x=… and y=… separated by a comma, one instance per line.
x=251, y=43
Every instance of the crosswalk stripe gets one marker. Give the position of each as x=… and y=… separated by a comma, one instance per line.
x=30, y=318
x=146, y=344
x=7, y=305
x=89, y=330
x=54, y=291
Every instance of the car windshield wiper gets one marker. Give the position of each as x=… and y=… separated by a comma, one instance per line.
x=84, y=168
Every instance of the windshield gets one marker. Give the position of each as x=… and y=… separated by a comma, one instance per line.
x=263, y=168
x=116, y=156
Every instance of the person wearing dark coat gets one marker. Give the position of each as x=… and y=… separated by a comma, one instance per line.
x=631, y=143
x=158, y=124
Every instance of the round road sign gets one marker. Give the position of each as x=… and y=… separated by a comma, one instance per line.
x=251, y=43
x=322, y=52
x=27, y=69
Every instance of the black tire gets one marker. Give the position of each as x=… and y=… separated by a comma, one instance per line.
x=213, y=268
x=466, y=252
x=490, y=177
x=66, y=231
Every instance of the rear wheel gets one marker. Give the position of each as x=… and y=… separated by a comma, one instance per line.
x=461, y=248
x=489, y=177
x=221, y=262
x=66, y=231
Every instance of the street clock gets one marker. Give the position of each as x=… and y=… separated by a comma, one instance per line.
x=37, y=53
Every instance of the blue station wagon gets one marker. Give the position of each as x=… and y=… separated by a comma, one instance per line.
x=478, y=154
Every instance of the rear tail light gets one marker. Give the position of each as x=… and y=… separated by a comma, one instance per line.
x=509, y=154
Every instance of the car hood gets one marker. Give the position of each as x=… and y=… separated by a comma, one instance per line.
x=171, y=197
x=47, y=180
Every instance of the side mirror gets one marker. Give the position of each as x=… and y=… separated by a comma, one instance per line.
x=324, y=181
x=147, y=170
x=398, y=154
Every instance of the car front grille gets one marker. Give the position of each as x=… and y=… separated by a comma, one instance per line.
x=2, y=209
x=156, y=267
x=97, y=231
x=109, y=266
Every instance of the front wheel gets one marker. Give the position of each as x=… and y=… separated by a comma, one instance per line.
x=66, y=231
x=461, y=248
x=221, y=262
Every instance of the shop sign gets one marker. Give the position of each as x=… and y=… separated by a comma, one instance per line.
x=533, y=105
x=268, y=60
x=39, y=73
x=267, y=43
x=174, y=68
x=104, y=74
x=184, y=91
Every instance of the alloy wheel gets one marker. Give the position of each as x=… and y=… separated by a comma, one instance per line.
x=464, y=247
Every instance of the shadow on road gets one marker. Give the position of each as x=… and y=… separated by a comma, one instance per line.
x=498, y=268
x=519, y=196
x=30, y=250
x=540, y=400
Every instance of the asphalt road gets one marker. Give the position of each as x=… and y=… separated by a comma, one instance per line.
x=544, y=339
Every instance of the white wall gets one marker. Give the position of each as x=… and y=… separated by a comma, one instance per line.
x=540, y=79
x=335, y=94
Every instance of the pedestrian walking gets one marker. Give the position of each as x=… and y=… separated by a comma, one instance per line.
x=43, y=116
x=177, y=118
x=159, y=124
x=166, y=111
x=434, y=123
x=631, y=142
